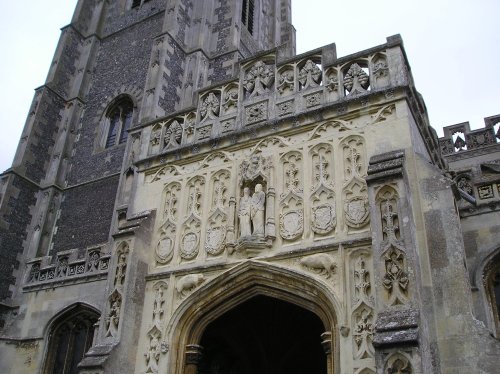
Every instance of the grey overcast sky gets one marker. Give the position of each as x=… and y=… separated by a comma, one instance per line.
x=452, y=46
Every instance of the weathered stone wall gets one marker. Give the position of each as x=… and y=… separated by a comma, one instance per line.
x=85, y=217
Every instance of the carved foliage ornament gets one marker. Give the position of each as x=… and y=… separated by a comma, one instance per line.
x=255, y=167
x=258, y=79
x=173, y=135
x=210, y=106
x=291, y=200
x=356, y=81
x=310, y=75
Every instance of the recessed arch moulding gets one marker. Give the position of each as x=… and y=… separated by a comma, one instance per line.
x=238, y=285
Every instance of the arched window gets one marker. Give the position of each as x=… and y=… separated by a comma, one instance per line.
x=119, y=119
x=247, y=14
x=493, y=290
x=69, y=338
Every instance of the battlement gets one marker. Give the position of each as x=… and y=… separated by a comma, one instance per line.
x=270, y=91
x=459, y=139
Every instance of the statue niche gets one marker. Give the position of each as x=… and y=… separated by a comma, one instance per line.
x=251, y=212
x=256, y=204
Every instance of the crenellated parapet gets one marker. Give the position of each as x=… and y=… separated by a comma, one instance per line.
x=272, y=94
x=459, y=139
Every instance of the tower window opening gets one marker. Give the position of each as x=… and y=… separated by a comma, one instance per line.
x=247, y=14
x=119, y=120
x=138, y=3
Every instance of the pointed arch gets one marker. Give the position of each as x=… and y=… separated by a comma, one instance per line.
x=69, y=335
x=239, y=284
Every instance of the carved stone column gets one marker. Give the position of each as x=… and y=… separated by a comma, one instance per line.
x=194, y=353
x=230, y=226
x=327, y=344
x=271, y=193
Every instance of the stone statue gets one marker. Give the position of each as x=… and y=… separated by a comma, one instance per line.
x=244, y=213
x=257, y=210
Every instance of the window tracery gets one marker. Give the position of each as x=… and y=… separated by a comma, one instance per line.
x=69, y=339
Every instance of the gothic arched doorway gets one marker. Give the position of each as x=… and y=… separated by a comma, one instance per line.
x=263, y=335
x=240, y=293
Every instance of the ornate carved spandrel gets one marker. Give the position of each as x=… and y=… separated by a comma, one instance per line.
x=354, y=191
x=173, y=134
x=292, y=197
x=190, y=236
x=168, y=229
x=217, y=226
x=210, y=106
x=286, y=80
x=322, y=197
x=320, y=263
x=310, y=75
x=258, y=79
x=188, y=283
x=356, y=79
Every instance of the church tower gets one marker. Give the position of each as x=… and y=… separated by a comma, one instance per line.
x=191, y=197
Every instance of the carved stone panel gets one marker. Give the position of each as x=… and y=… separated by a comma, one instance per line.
x=258, y=79
x=190, y=236
x=215, y=237
x=322, y=197
x=291, y=199
x=166, y=244
x=354, y=192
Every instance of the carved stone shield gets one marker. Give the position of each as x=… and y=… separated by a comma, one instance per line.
x=356, y=211
x=291, y=224
x=324, y=218
x=214, y=243
x=189, y=246
x=164, y=250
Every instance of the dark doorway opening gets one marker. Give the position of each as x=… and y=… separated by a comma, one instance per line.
x=264, y=336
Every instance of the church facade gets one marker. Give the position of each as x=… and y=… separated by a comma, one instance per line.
x=190, y=196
